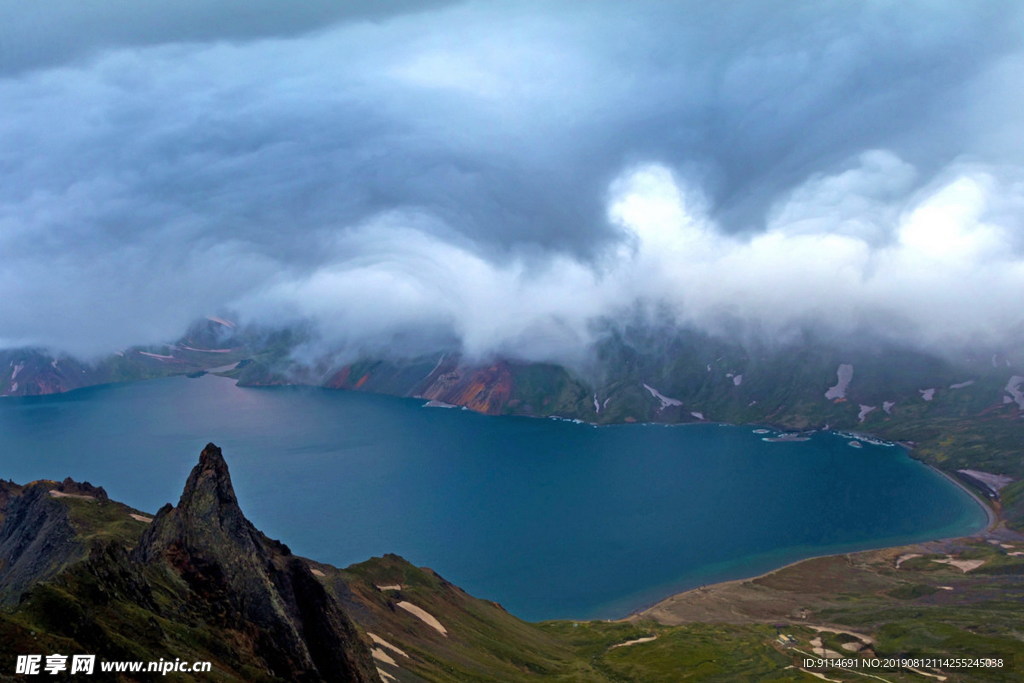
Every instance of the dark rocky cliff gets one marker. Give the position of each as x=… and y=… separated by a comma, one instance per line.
x=36, y=540
x=197, y=582
x=251, y=584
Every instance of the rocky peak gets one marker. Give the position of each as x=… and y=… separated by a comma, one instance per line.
x=211, y=473
x=84, y=488
x=207, y=519
x=209, y=496
x=242, y=581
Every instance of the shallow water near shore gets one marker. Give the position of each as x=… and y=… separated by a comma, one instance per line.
x=550, y=518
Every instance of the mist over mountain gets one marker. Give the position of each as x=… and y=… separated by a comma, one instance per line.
x=511, y=180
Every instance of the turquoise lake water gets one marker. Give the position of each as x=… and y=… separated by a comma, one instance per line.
x=550, y=518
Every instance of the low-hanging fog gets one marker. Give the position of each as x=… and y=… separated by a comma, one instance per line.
x=506, y=175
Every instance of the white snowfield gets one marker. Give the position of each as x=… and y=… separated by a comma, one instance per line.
x=158, y=356
x=927, y=394
x=1013, y=388
x=665, y=400
x=424, y=616
x=394, y=648
x=864, y=411
x=844, y=374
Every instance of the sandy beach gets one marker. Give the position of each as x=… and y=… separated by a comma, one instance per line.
x=711, y=591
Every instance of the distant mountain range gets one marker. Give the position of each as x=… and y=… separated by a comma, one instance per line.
x=961, y=413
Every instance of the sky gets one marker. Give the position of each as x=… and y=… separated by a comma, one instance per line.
x=508, y=177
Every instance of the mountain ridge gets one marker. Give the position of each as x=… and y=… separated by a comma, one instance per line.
x=200, y=563
x=963, y=414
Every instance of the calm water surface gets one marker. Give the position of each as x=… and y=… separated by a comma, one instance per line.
x=551, y=519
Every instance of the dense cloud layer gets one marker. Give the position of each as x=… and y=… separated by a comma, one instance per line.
x=506, y=175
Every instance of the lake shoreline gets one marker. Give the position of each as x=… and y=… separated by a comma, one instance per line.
x=994, y=519
x=992, y=516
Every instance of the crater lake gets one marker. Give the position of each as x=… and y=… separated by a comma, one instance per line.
x=550, y=518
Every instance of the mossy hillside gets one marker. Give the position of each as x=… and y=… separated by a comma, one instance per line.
x=106, y=604
x=547, y=389
x=704, y=652
x=484, y=642
x=924, y=608
x=98, y=520
x=698, y=652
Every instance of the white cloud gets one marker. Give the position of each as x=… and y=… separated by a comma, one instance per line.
x=944, y=278
x=505, y=175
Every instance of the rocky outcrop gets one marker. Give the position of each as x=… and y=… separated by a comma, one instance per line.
x=199, y=582
x=483, y=389
x=8, y=492
x=37, y=540
x=81, y=489
x=238, y=579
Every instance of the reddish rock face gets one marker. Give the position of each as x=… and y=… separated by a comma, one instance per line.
x=32, y=373
x=342, y=379
x=485, y=390
x=339, y=380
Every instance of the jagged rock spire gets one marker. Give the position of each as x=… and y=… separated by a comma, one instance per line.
x=207, y=518
x=250, y=583
x=210, y=476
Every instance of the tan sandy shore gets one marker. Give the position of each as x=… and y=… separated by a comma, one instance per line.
x=994, y=518
x=716, y=595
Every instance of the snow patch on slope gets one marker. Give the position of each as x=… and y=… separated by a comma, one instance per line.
x=844, y=373
x=1014, y=390
x=666, y=401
